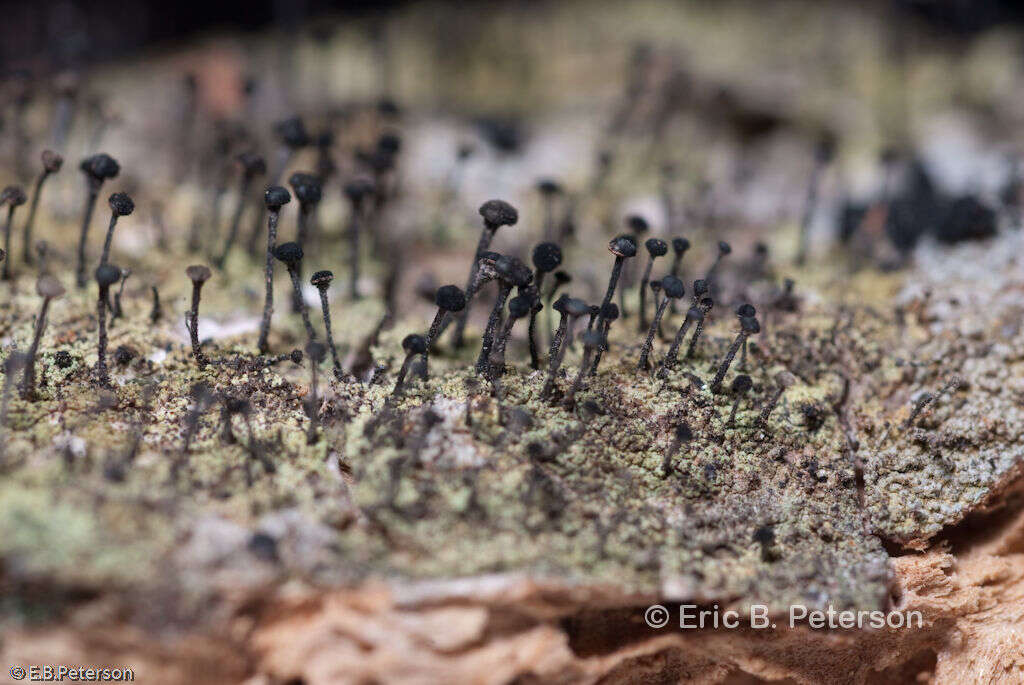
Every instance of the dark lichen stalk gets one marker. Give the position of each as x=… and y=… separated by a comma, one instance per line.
x=290, y=254
x=549, y=190
x=560, y=306
x=724, y=249
x=321, y=280
x=495, y=213
x=120, y=205
x=705, y=306
x=157, y=312
x=198, y=274
x=13, y=197
x=512, y=273
x=655, y=248
x=637, y=226
x=49, y=288
x=449, y=300
x=52, y=163
x=274, y=198
x=97, y=169
x=679, y=248
x=308, y=192
x=609, y=314
x=674, y=290
x=316, y=353
x=573, y=310
x=359, y=193
x=252, y=167
x=671, y=357
x=106, y=276
x=782, y=381
x=518, y=307
x=414, y=345
x=592, y=341
x=623, y=247
x=748, y=326
x=739, y=387
x=118, y=312
x=292, y=136
x=546, y=258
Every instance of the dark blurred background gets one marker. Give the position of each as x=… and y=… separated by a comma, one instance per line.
x=60, y=34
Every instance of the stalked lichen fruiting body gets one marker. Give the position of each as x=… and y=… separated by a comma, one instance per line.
x=518, y=307
x=572, y=310
x=292, y=137
x=674, y=289
x=321, y=280
x=783, y=380
x=693, y=315
x=546, y=258
x=549, y=190
x=740, y=386
x=655, y=248
x=52, y=162
x=592, y=341
x=359, y=192
x=290, y=254
x=274, y=198
x=623, y=247
x=679, y=248
x=198, y=274
x=97, y=169
x=748, y=326
x=13, y=197
x=449, y=300
x=106, y=276
x=609, y=313
x=308, y=191
x=705, y=306
x=724, y=249
x=512, y=273
x=316, y=352
x=48, y=288
x=120, y=205
x=414, y=345
x=495, y=213
x=252, y=166
x=638, y=227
